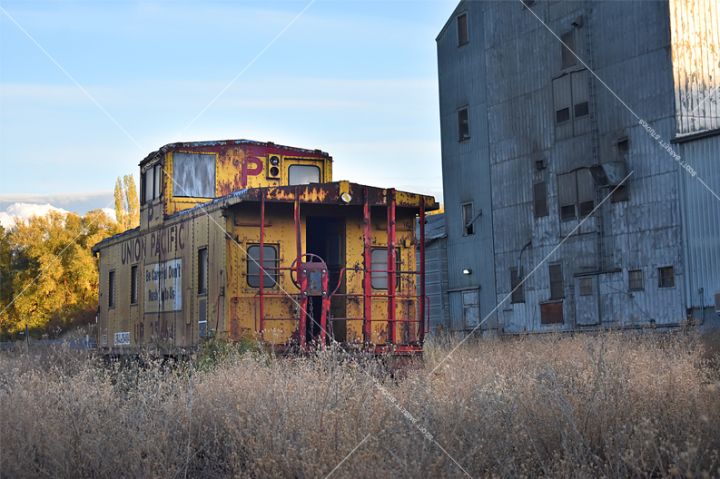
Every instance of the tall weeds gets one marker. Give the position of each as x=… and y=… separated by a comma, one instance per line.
x=587, y=406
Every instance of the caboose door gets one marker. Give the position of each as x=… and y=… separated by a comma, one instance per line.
x=326, y=239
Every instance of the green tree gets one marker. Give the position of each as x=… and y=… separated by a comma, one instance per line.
x=127, y=203
x=54, y=273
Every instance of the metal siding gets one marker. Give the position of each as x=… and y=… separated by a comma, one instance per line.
x=627, y=44
x=696, y=64
x=466, y=169
x=701, y=217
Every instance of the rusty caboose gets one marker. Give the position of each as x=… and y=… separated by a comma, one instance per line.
x=246, y=240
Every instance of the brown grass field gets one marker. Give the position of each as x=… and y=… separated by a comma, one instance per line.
x=615, y=405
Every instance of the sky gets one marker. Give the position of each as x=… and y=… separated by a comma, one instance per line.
x=88, y=88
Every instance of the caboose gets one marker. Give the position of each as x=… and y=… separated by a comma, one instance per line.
x=247, y=240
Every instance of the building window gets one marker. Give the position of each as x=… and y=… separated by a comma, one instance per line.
x=621, y=192
x=303, y=174
x=586, y=286
x=568, y=44
x=517, y=288
x=270, y=265
x=462, y=26
x=471, y=308
x=556, y=282
x=540, y=207
x=194, y=175
x=576, y=194
x=468, y=218
x=635, y=280
x=571, y=97
x=463, y=124
x=378, y=266
x=666, y=277
x=202, y=275
x=111, y=289
x=133, y=284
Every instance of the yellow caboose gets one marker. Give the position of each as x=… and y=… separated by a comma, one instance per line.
x=241, y=239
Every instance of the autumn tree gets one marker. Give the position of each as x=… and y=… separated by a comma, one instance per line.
x=5, y=276
x=53, y=271
x=127, y=203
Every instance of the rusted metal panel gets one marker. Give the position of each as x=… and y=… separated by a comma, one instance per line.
x=696, y=64
x=196, y=266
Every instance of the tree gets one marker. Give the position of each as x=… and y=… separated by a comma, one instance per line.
x=127, y=203
x=5, y=276
x=54, y=273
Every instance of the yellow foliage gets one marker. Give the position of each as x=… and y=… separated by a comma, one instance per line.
x=50, y=274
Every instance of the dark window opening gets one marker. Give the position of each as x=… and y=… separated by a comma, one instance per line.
x=462, y=26
x=517, y=288
x=568, y=58
x=556, y=282
x=202, y=271
x=133, y=284
x=586, y=207
x=111, y=289
x=270, y=265
x=540, y=199
x=576, y=194
x=562, y=115
x=379, y=266
x=463, y=124
x=586, y=286
x=635, y=280
x=623, y=147
x=567, y=212
x=666, y=277
x=582, y=109
x=468, y=219
x=620, y=193
x=143, y=194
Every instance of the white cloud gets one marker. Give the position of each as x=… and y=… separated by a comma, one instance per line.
x=17, y=212
x=110, y=212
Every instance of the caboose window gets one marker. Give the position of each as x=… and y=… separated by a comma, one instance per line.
x=157, y=187
x=202, y=271
x=111, y=289
x=133, y=284
x=379, y=268
x=194, y=175
x=270, y=264
x=148, y=185
x=303, y=174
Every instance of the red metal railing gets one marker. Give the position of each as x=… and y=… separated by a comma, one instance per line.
x=367, y=295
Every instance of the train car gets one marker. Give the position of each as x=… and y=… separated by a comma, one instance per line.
x=247, y=240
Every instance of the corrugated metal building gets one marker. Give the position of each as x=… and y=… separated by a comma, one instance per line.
x=594, y=174
x=436, y=277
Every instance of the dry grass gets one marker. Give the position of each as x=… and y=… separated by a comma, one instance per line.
x=614, y=406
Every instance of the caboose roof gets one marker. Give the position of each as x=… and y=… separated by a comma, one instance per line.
x=337, y=194
x=268, y=145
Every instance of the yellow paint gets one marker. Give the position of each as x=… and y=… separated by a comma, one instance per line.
x=230, y=305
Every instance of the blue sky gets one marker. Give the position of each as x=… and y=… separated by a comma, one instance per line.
x=356, y=79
